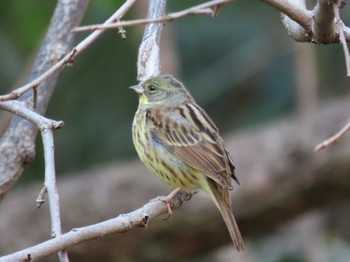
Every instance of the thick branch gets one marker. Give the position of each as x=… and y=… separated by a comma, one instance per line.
x=324, y=22
x=303, y=25
x=148, y=62
x=295, y=10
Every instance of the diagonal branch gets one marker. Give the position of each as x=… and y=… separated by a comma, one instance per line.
x=120, y=224
x=68, y=58
x=200, y=9
x=335, y=138
x=295, y=10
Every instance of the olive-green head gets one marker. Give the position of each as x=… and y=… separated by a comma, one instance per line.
x=162, y=90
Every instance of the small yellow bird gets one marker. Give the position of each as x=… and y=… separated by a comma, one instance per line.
x=178, y=141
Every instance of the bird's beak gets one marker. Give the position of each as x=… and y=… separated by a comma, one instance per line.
x=137, y=88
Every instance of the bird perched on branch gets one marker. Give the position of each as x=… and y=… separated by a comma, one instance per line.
x=178, y=141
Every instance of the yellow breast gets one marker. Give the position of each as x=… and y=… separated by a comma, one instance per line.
x=160, y=161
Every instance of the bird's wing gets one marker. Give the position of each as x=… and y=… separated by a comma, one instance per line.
x=189, y=133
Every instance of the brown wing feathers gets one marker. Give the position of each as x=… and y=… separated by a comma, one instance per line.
x=194, y=138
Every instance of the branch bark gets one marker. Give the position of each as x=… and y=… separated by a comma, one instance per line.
x=317, y=25
x=148, y=62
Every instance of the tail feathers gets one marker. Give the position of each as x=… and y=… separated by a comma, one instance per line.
x=222, y=200
x=231, y=224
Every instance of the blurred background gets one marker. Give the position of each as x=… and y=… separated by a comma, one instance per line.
x=241, y=67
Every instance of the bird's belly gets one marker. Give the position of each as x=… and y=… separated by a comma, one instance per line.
x=175, y=172
x=165, y=165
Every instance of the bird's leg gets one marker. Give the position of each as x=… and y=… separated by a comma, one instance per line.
x=190, y=195
x=166, y=200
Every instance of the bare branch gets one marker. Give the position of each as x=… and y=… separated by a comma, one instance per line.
x=68, y=58
x=148, y=62
x=323, y=28
x=337, y=4
x=40, y=200
x=295, y=10
x=120, y=224
x=294, y=27
x=21, y=110
x=309, y=26
x=200, y=9
x=46, y=127
x=335, y=138
x=50, y=185
x=36, y=82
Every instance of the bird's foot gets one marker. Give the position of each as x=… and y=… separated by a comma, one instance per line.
x=166, y=200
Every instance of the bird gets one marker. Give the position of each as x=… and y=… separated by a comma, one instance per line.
x=178, y=141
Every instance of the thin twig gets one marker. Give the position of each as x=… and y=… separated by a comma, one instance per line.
x=122, y=32
x=40, y=121
x=36, y=82
x=40, y=200
x=340, y=25
x=50, y=184
x=67, y=59
x=46, y=126
x=335, y=138
x=120, y=224
x=195, y=10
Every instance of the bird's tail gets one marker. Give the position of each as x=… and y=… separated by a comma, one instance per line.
x=222, y=200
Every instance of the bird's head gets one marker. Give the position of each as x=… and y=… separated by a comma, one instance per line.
x=162, y=90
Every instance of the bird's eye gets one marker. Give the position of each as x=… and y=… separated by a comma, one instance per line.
x=152, y=88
